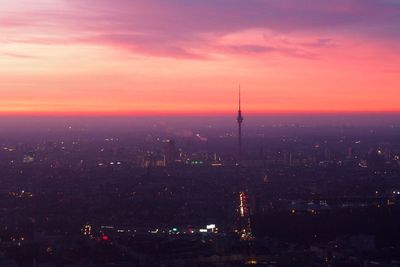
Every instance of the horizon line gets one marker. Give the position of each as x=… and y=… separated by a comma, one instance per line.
x=198, y=114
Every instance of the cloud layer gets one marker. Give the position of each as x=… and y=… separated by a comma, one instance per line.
x=189, y=55
x=192, y=28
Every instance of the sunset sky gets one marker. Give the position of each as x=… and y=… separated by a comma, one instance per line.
x=189, y=56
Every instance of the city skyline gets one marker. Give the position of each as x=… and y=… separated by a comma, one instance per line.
x=200, y=133
x=109, y=58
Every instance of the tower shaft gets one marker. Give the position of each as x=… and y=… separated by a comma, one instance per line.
x=239, y=121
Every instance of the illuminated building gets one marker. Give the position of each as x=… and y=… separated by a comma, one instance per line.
x=28, y=159
x=244, y=217
x=87, y=230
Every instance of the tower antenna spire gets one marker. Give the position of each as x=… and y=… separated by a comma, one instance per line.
x=239, y=97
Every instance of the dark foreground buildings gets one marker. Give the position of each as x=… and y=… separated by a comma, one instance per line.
x=301, y=196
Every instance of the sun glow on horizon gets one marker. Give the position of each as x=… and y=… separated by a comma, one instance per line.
x=55, y=60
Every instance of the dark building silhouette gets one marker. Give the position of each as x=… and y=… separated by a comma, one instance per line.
x=170, y=151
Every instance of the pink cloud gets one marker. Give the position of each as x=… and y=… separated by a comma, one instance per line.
x=191, y=29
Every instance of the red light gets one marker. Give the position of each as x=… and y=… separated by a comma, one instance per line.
x=105, y=238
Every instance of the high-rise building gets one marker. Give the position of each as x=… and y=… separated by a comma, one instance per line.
x=170, y=152
x=244, y=217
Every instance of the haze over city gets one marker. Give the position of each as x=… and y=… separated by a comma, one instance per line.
x=199, y=133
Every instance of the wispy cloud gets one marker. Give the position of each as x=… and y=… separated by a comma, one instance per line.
x=16, y=55
x=188, y=28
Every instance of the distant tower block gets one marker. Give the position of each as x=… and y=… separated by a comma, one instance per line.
x=170, y=151
x=239, y=121
x=244, y=217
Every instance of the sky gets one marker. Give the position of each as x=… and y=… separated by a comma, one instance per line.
x=101, y=57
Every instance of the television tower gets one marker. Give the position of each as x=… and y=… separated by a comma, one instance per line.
x=239, y=121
